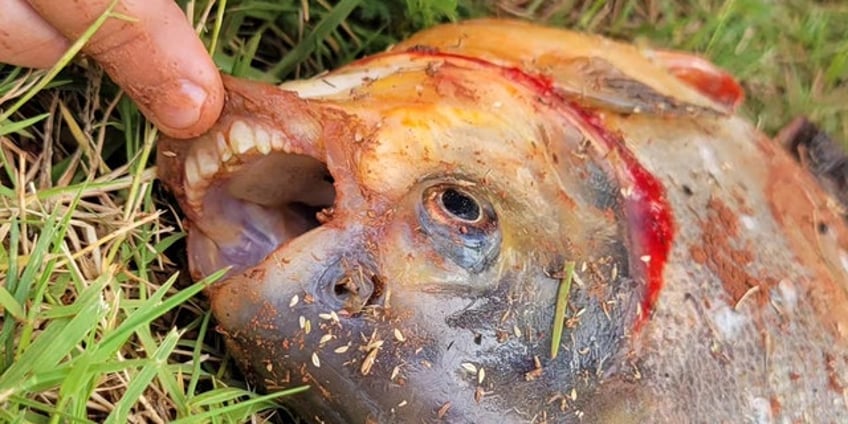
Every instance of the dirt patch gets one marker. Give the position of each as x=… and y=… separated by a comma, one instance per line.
x=718, y=253
x=776, y=406
x=832, y=375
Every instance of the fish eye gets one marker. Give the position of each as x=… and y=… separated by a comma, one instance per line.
x=461, y=224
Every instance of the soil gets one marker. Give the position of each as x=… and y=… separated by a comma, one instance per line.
x=718, y=253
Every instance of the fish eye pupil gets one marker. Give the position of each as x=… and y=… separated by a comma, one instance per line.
x=460, y=205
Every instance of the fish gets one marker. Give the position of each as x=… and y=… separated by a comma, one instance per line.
x=496, y=221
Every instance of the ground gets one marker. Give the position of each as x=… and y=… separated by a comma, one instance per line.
x=100, y=323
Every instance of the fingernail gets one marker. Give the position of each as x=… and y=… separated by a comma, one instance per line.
x=180, y=108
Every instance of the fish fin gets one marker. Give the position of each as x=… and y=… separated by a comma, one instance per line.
x=703, y=76
x=595, y=81
x=589, y=69
x=823, y=156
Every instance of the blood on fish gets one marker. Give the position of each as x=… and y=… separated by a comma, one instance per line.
x=702, y=75
x=648, y=212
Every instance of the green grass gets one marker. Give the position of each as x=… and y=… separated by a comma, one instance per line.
x=99, y=322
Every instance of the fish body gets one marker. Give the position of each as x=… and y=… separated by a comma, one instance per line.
x=399, y=232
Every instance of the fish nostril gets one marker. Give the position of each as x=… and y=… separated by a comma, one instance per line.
x=353, y=292
x=348, y=288
x=344, y=287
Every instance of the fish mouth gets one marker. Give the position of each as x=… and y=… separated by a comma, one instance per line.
x=262, y=196
x=252, y=183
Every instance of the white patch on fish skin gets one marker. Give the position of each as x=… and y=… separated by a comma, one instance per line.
x=525, y=175
x=708, y=155
x=749, y=222
x=843, y=258
x=727, y=321
x=340, y=83
x=786, y=294
x=761, y=410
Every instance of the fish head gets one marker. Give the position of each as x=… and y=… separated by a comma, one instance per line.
x=401, y=244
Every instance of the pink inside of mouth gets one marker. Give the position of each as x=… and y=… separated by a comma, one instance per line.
x=247, y=215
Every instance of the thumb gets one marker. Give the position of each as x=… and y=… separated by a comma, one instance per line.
x=155, y=56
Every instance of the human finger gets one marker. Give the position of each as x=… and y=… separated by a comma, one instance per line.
x=26, y=39
x=156, y=57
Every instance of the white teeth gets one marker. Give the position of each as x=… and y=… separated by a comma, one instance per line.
x=241, y=137
x=223, y=148
x=262, y=140
x=194, y=183
x=207, y=159
x=192, y=172
x=214, y=154
x=244, y=137
x=200, y=167
x=277, y=141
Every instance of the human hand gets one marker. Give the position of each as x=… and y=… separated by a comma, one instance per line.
x=157, y=58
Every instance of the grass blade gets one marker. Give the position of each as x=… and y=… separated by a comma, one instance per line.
x=143, y=379
x=61, y=63
x=311, y=41
x=10, y=305
x=153, y=309
x=12, y=127
x=240, y=407
x=561, y=303
x=57, y=341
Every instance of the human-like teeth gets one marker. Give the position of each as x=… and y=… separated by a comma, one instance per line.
x=241, y=137
x=202, y=165
x=196, y=184
x=224, y=151
x=278, y=142
x=216, y=152
x=192, y=172
x=208, y=161
x=262, y=140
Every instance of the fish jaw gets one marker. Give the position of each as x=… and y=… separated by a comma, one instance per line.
x=254, y=181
